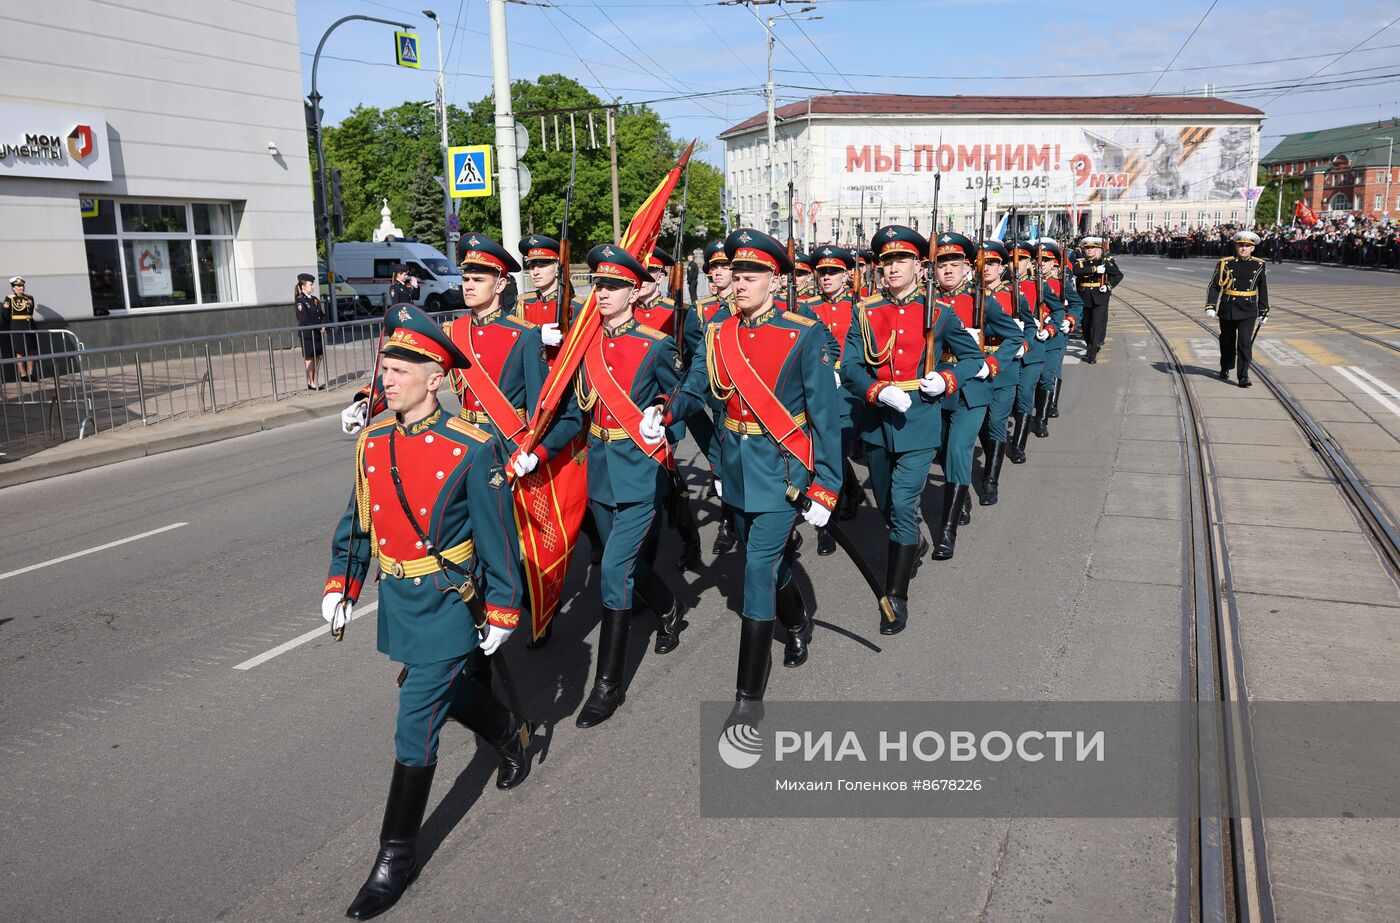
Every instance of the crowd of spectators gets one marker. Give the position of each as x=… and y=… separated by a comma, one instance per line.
x=1362, y=243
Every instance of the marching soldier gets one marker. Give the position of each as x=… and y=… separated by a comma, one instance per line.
x=628, y=373
x=1002, y=296
x=772, y=371
x=999, y=339
x=1074, y=315
x=1238, y=294
x=886, y=359
x=657, y=309
x=431, y=503
x=18, y=312
x=541, y=307
x=1095, y=276
x=1056, y=289
x=704, y=425
x=836, y=309
x=1029, y=405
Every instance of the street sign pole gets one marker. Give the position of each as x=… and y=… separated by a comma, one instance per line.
x=505, y=131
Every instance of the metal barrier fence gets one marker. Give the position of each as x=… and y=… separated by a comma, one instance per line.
x=77, y=392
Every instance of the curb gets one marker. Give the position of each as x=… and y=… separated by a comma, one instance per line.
x=123, y=446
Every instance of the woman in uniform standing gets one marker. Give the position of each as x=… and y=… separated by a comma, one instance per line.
x=310, y=317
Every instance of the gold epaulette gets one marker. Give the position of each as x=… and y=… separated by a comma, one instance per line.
x=804, y=321
x=471, y=431
x=870, y=300
x=376, y=427
x=528, y=325
x=651, y=332
x=1256, y=259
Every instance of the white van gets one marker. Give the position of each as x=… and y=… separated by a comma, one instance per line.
x=368, y=268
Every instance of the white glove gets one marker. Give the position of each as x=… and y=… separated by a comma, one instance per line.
x=1100, y=268
x=837, y=376
x=984, y=372
x=1042, y=335
x=1210, y=312
x=551, y=335
x=495, y=637
x=933, y=385
x=1020, y=323
x=1064, y=325
x=817, y=515
x=354, y=417
x=1263, y=319
x=975, y=333
x=891, y=396
x=331, y=611
x=1022, y=351
x=524, y=463
x=719, y=488
x=652, y=429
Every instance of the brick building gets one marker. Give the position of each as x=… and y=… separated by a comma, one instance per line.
x=1344, y=170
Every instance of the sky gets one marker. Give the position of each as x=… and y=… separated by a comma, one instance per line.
x=1306, y=65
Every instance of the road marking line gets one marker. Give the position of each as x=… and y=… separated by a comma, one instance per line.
x=1376, y=381
x=280, y=649
x=1385, y=402
x=79, y=554
x=1316, y=352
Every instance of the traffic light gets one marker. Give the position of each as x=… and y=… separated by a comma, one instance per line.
x=337, y=204
x=773, y=219
x=319, y=204
x=313, y=118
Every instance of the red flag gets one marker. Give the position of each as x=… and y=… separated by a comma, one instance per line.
x=1304, y=214
x=551, y=500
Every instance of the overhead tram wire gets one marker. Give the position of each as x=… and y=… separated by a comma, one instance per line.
x=1183, y=47
x=1333, y=61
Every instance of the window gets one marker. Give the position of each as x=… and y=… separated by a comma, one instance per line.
x=1218, y=215
x=1380, y=200
x=1132, y=223
x=1339, y=202
x=158, y=254
x=1234, y=216
x=1380, y=176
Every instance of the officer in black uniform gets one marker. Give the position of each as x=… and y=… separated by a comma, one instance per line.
x=1095, y=276
x=1238, y=294
x=404, y=288
x=18, y=312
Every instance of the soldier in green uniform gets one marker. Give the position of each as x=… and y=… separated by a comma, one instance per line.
x=1046, y=325
x=628, y=373
x=1239, y=295
x=836, y=309
x=999, y=339
x=772, y=371
x=1002, y=301
x=703, y=424
x=18, y=312
x=1058, y=290
x=432, y=504
x=887, y=359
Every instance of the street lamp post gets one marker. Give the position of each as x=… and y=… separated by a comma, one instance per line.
x=326, y=206
x=1389, y=162
x=505, y=129
x=446, y=161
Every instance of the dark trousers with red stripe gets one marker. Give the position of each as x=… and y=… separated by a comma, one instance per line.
x=430, y=694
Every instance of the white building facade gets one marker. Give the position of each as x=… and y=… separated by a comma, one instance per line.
x=1080, y=163
x=153, y=158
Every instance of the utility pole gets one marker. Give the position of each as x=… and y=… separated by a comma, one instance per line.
x=505, y=130
x=326, y=205
x=1389, y=163
x=612, y=158
x=449, y=249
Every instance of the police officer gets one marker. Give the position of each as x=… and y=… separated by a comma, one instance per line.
x=998, y=339
x=1002, y=295
x=628, y=373
x=18, y=312
x=310, y=318
x=456, y=533
x=1238, y=294
x=887, y=363
x=772, y=371
x=541, y=307
x=1095, y=276
x=404, y=287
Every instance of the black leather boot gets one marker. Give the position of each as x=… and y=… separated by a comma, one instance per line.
x=755, y=660
x=792, y=612
x=1017, y=450
x=670, y=621
x=826, y=544
x=595, y=540
x=899, y=568
x=397, y=863
x=1038, y=424
x=991, y=474
x=725, y=538
x=954, y=496
x=488, y=716
x=535, y=644
x=1052, y=410
x=607, y=692
x=689, y=533
x=965, y=516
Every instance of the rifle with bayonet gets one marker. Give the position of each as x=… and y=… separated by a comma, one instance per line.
x=979, y=302
x=564, y=289
x=791, y=253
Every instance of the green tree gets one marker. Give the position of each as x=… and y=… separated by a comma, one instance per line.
x=382, y=154
x=423, y=217
x=1266, y=209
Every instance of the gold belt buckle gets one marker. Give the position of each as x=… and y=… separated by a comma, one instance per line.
x=397, y=569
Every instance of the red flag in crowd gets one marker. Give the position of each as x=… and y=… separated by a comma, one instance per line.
x=1304, y=214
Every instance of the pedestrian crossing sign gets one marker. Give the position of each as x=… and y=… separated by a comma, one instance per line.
x=406, y=49
x=471, y=171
